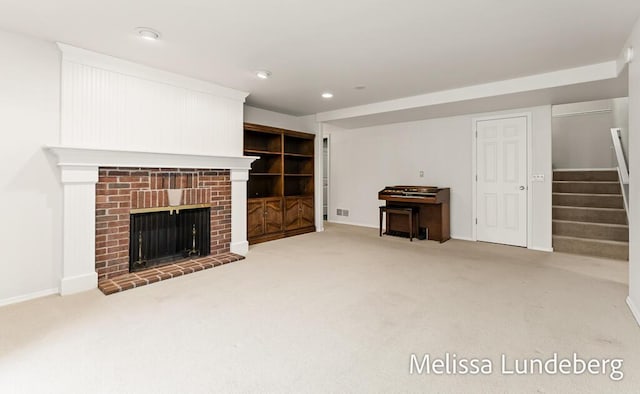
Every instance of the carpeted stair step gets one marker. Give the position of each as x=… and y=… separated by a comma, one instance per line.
x=602, y=231
x=588, y=200
x=573, y=175
x=592, y=215
x=591, y=247
x=590, y=187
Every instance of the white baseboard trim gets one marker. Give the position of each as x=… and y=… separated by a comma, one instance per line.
x=540, y=249
x=463, y=238
x=78, y=283
x=319, y=229
x=634, y=310
x=384, y=229
x=352, y=224
x=27, y=297
x=241, y=248
x=585, y=169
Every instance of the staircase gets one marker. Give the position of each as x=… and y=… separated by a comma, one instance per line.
x=588, y=214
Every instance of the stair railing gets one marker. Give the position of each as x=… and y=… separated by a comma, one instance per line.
x=623, y=170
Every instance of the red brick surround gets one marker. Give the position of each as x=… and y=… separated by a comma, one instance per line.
x=121, y=189
x=156, y=274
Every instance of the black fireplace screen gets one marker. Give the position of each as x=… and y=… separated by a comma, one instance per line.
x=161, y=237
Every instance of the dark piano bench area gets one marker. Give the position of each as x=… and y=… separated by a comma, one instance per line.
x=431, y=203
x=412, y=216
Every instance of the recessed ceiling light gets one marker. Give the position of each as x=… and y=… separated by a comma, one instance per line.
x=327, y=95
x=263, y=74
x=148, y=33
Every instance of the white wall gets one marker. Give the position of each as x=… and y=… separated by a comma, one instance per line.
x=583, y=139
x=634, y=174
x=30, y=190
x=363, y=161
x=621, y=121
x=276, y=119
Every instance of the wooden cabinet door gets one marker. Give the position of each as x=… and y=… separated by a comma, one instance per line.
x=273, y=215
x=292, y=213
x=255, y=218
x=306, y=212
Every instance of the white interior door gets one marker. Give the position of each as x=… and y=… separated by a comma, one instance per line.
x=501, y=189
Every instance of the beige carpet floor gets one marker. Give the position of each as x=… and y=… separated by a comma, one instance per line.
x=339, y=311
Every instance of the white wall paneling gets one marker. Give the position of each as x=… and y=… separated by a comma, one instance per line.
x=115, y=104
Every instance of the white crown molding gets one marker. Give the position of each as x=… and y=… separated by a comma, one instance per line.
x=591, y=73
x=95, y=157
x=82, y=56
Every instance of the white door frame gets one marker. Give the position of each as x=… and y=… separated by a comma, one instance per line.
x=474, y=170
x=328, y=138
x=322, y=134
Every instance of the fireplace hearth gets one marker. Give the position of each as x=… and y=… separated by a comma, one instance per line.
x=137, y=227
x=142, y=237
x=162, y=237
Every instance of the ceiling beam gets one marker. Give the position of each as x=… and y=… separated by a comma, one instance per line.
x=578, y=75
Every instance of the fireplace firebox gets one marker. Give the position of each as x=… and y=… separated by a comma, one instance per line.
x=158, y=238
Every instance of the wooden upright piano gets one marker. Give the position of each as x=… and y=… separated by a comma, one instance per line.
x=433, y=203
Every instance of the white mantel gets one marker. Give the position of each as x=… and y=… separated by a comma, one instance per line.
x=79, y=174
x=99, y=157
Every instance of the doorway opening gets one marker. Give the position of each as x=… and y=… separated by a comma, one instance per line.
x=325, y=178
x=590, y=178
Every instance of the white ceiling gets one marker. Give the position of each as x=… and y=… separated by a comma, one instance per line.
x=394, y=48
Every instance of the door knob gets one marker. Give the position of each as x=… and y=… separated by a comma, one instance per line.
x=521, y=187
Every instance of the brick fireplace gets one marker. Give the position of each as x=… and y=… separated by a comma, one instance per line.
x=103, y=188
x=123, y=191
